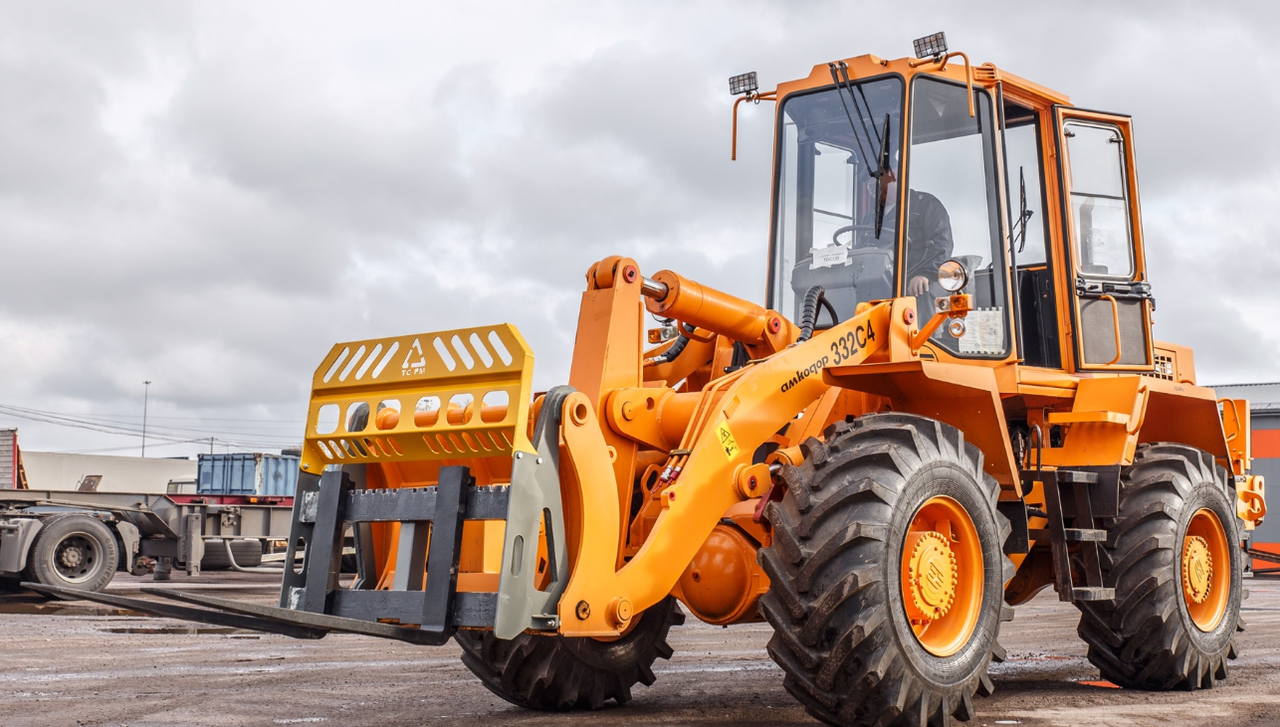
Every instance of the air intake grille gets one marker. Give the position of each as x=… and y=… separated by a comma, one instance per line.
x=1164, y=368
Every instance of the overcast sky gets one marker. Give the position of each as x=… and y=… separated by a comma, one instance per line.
x=208, y=196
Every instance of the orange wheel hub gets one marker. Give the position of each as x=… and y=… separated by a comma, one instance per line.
x=1206, y=570
x=942, y=576
x=931, y=575
x=1197, y=569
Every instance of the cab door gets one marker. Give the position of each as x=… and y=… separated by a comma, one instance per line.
x=1109, y=291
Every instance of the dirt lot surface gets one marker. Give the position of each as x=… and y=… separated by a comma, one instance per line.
x=70, y=664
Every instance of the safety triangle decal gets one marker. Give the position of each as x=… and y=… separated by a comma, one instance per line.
x=411, y=366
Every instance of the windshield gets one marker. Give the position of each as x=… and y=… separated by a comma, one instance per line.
x=825, y=226
x=953, y=211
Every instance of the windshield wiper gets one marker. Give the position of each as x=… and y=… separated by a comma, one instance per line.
x=883, y=177
x=881, y=171
x=1024, y=214
x=848, y=86
x=862, y=151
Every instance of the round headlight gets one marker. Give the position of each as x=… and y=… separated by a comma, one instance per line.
x=952, y=276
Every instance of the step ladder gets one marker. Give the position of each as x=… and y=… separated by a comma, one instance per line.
x=1075, y=499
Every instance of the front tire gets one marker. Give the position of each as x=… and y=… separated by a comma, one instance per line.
x=556, y=673
x=1174, y=558
x=857, y=641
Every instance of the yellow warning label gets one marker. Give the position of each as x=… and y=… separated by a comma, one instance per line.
x=727, y=441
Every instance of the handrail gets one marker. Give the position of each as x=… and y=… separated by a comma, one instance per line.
x=1115, y=318
x=756, y=98
x=942, y=66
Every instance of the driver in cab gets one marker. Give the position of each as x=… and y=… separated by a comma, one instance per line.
x=929, y=242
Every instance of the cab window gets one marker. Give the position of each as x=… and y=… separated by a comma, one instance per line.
x=825, y=231
x=1024, y=195
x=1101, y=236
x=953, y=211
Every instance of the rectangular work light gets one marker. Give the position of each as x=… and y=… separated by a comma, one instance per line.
x=931, y=46
x=743, y=83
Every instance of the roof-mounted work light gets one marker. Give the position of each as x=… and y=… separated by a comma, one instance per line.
x=744, y=83
x=931, y=46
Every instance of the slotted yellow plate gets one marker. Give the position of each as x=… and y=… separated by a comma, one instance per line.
x=431, y=396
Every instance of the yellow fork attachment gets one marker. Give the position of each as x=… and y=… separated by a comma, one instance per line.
x=426, y=379
x=412, y=425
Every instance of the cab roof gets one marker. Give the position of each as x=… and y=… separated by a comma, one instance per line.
x=986, y=75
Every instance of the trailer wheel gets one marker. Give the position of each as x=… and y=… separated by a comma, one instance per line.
x=887, y=574
x=557, y=673
x=73, y=551
x=1174, y=558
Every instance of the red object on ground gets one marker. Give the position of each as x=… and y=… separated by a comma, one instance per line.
x=1259, y=565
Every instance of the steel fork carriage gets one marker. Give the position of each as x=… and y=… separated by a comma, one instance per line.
x=430, y=535
x=326, y=503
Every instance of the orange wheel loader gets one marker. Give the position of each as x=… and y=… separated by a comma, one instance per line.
x=950, y=401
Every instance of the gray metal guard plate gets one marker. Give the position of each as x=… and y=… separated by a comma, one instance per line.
x=534, y=496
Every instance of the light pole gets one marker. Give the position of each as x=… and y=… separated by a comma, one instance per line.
x=145, y=390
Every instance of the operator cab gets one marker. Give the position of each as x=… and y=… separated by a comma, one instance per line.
x=845, y=190
x=884, y=170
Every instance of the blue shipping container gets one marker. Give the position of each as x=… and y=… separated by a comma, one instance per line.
x=261, y=475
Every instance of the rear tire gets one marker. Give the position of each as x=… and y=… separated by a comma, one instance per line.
x=842, y=632
x=556, y=673
x=1148, y=638
x=73, y=551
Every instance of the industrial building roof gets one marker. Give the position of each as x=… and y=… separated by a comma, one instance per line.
x=1262, y=397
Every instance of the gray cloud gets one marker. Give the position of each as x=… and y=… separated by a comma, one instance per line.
x=209, y=196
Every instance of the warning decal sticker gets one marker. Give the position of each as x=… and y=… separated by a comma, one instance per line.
x=727, y=441
x=411, y=366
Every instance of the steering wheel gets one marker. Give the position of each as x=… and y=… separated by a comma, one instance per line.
x=851, y=228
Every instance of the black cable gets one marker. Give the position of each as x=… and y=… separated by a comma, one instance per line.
x=831, y=310
x=814, y=297
x=740, y=357
x=676, y=348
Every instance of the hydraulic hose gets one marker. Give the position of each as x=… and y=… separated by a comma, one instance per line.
x=813, y=298
x=674, y=349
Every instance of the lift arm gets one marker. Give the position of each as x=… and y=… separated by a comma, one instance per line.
x=757, y=401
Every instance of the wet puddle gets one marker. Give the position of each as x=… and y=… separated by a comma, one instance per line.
x=59, y=608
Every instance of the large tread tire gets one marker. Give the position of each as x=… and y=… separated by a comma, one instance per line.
x=556, y=673
x=94, y=563
x=841, y=631
x=1145, y=638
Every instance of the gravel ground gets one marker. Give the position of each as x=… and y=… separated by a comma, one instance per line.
x=68, y=664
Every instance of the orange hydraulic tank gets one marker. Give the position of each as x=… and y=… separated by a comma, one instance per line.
x=723, y=581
